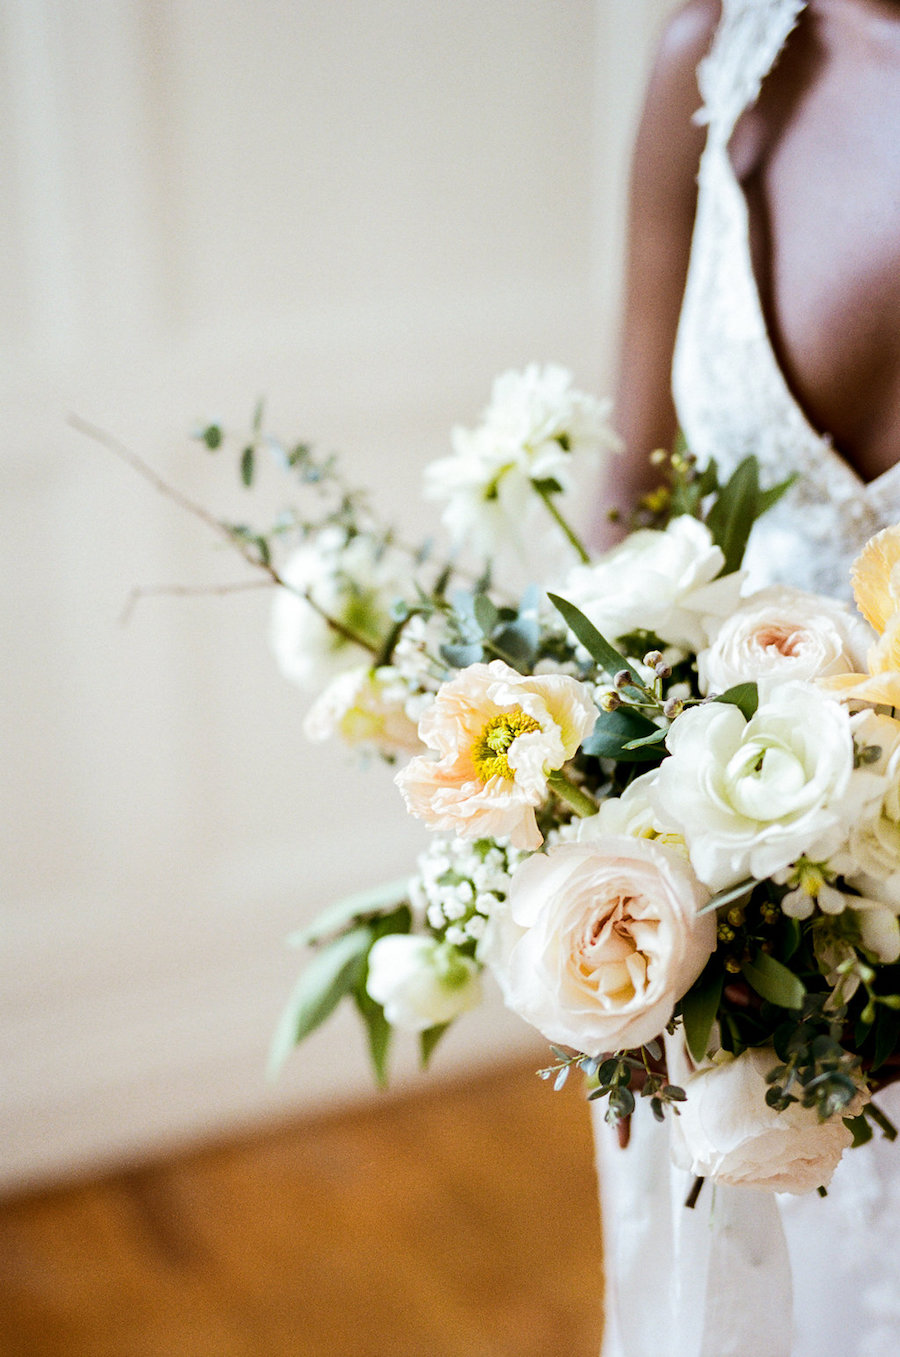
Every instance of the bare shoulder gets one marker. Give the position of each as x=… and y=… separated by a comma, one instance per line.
x=669, y=142
x=685, y=40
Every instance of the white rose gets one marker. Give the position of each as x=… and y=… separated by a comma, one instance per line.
x=783, y=633
x=534, y=426
x=420, y=982
x=367, y=709
x=354, y=583
x=726, y=1131
x=663, y=582
x=598, y=941
x=750, y=797
x=633, y=813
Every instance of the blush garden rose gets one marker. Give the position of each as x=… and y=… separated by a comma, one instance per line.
x=598, y=940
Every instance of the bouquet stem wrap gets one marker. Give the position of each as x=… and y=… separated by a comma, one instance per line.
x=708, y=1282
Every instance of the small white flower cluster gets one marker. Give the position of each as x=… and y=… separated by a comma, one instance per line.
x=458, y=884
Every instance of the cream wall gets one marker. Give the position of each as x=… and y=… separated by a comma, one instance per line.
x=363, y=211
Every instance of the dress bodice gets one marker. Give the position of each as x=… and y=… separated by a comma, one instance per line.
x=733, y=399
x=731, y=394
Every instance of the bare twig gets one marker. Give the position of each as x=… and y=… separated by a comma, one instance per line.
x=244, y=549
x=186, y=591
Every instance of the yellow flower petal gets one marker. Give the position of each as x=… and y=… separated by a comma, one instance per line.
x=876, y=577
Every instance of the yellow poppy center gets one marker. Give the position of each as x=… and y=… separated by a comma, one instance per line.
x=490, y=748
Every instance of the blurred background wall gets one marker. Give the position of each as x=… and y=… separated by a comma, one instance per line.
x=361, y=210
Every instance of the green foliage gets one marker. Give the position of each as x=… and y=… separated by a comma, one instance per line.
x=617, y=735
x=737, y=506
x=699, y=1008
x=369, y=904
x=610, y=660
x=331, y=974
x=744, y=696
x=774, y=981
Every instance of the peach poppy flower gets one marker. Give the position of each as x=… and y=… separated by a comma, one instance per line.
x=876, y=587
x=498, y=735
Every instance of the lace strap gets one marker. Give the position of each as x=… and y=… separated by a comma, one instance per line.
x=750, y=35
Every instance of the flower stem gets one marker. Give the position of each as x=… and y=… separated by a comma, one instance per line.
x=569, y=532
x=887, y=1127
x=573, y=796
x=691, y=1199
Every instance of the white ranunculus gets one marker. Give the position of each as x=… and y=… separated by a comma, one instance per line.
x=354, y=583
x=534, y=426
x=783, y=633
x=664, y=582
x=725, y=1130
x=597, y=941
x=750, y=797
x=420, y=982
x=366, y=708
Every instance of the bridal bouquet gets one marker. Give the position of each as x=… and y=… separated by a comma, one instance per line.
x=666, y=812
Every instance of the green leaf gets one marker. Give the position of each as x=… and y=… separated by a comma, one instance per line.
x=485, y=613
x=770, y=497
x=518, y=641
x=744, y=696
x=212, y=436
x=429, y=1039
x=333, y=972
x=860, y=1129
x=734, y=513
x=461, y=656
x=367, y=904
x=657, y=737
x=773, y=981
x=699, y=1008
x=258, y=415
x=378, y=1029
x=596, y=645
x=614, y=732
x=248, y=465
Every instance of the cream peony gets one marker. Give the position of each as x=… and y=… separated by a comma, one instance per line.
x=498, y=735
x=598, y=941
x=783, y=633
x=750, y=797
x=726, y=1131
x=421, y=982
x=533, y=427
x=366, y=708
x=663, y=582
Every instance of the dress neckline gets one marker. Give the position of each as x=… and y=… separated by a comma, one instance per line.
x=825, y=442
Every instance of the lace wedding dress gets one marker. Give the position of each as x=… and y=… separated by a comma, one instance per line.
x=714, y=1282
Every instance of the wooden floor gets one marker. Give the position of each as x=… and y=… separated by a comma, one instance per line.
x=461, y=1222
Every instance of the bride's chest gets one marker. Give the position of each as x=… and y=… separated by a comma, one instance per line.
x=820, y=171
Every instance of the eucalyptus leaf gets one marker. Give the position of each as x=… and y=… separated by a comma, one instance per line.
x=594, y=643
x=248, y=465
x=699, y=1008
x=485, y=613
x=773, y=981
x=462, y=655
x=334, y=971
x=377, y=901
x=658, y=737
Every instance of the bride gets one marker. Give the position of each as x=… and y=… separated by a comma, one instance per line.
x=769, y=284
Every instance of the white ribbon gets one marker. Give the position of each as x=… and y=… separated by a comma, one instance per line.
x=703, y=1282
